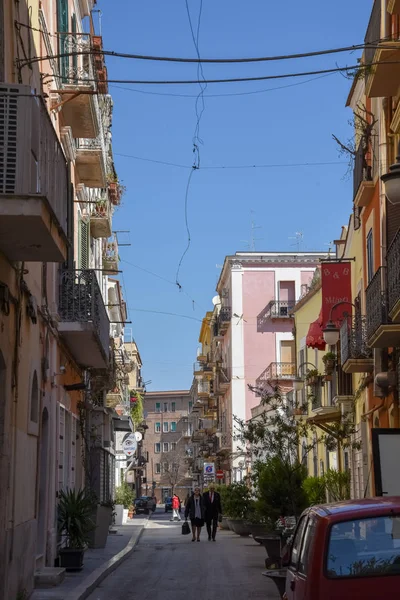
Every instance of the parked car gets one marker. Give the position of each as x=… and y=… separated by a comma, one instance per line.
x=346, y=550
x=142, y=505
x=168, y=504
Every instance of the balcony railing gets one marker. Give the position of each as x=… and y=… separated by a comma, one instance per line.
x=80, y=301
x=373, y=33
x=275, y=372
x=376, y=303
x=353, y=339
x=224, y=317
x=281, y=309
x=393, y=273
x=362, y=170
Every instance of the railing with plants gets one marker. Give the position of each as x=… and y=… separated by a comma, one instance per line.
x=353, y=339
x=376, y=303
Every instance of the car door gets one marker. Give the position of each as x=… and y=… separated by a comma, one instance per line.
x=293, y=588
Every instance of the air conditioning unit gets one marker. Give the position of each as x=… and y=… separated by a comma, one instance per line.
x=20, y=123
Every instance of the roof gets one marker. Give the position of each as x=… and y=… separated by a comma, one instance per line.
x=352, y=507
x=167, y=393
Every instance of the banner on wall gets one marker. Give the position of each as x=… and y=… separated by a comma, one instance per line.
x=336, y=287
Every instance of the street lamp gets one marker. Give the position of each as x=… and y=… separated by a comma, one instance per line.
x=392, y=180
x=331, y=331
x=298, y=382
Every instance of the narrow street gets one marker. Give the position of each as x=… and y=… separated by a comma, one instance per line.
x=167, y=565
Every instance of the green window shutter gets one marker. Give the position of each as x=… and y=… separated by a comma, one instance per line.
x=83, y=244
x=62, y=25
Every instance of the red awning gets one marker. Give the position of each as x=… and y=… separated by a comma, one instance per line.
x=315, y=337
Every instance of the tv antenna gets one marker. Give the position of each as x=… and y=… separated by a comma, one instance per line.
x=299, y=237
x=251, y=244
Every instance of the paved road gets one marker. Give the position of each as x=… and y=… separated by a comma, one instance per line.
x=168, y=566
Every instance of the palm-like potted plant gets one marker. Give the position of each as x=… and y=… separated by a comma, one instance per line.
x=75, y=509
x=329, y=360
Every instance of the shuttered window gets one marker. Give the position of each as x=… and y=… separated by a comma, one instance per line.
x=370, y=255
x=392, y=221
x=61, y=449
x=83, y=244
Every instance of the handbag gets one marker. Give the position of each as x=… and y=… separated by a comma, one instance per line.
x=219, y=518
x=185, y=528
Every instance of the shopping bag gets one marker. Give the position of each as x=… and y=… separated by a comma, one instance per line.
x=185, y=528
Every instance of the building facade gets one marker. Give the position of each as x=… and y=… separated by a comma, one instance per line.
x=58, y=358
x=167, y=443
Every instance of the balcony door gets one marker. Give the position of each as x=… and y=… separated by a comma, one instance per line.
x=62, y=26
x=287, y=357
x=286, y=297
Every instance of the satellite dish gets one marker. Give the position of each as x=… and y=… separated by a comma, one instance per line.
x=216, y=300
x=138, y=436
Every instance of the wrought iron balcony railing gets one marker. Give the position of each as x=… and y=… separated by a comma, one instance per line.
x=376, y=303
x=281, y=309
x=393, y=272
x=77, y=63
x=353, y=339
x=80, y=300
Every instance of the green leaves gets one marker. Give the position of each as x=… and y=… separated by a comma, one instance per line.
x=75, y=511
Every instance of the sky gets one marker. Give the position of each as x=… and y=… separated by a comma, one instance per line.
x=249, y=123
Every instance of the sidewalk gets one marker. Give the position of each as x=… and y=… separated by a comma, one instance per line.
x=98, y=563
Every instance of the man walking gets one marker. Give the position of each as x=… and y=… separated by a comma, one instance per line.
x=175, y=508
x=213, y=508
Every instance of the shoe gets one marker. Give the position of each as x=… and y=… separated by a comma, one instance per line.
x=209, y=538
x=198, y=540
x=214, y=540
x=194, y=539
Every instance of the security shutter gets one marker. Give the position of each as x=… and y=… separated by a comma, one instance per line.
x=83, y=244
x=392, y=221
x=62, y=22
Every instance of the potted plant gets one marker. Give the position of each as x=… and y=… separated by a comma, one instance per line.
x=124, y=497
x=329, y=360
x=102, y=516
x=75, y=524
x=312, y=376
x=237, y=505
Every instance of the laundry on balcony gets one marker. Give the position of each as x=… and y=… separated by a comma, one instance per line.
x=315, y=337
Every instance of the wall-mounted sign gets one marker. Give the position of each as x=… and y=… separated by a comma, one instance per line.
x=129, y=444
x=138, y=436
x=336, y=287
x=209, y=469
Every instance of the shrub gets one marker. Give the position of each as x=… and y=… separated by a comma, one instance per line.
x=237, y=502
x=314, y=487
x=280, y=488
x=124, y=495
x=337, y=484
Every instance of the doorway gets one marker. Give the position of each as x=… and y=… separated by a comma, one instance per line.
x=42, y=496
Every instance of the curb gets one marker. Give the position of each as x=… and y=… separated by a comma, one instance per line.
x=91, y=582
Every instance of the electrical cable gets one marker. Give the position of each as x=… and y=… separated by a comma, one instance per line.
x=208, y=167
x=358, y=68
x=187, y=228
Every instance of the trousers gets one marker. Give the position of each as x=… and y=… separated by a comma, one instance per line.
x=212, y=524
x=175, y=514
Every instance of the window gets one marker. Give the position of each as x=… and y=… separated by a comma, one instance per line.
x=165, y=427
x=34, y=411
x=294, y=558
x=370, y=255
x=165, y=467
x=173, y=446
x=158, y=468
x=364, y=548
x=165, y=406
x=307, y=546
x=157, y=427
x=158, y=406
x=165, y=447
x=157, y=448
x=190, y=406
x=173, y=406
x=173, y=426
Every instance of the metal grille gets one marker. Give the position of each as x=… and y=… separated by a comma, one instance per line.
x=376, y=303
x=8, y=140
x=281, y=309
x=275, y=371
x=225, y=314
x=353, y=339
x=81, y=301
x=393, y=272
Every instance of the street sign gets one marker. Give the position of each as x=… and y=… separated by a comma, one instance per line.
x=219, y=474
x=138, y=436
x=209, y=469
x=129, y=444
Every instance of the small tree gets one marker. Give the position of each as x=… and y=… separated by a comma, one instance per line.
x=174, y=467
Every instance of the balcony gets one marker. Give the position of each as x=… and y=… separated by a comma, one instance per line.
x=355, y=354
x=78, y=104
x=394, y=7
x=393, y=278
x=84, y=324
x=224, y=379
x=114, y=398
x=203, y=388
x=224, y=318
x=276, y=372
x=201, y=369
x=224, y=443
x=381, y=331
x=33, y=180
x=363, y=185
x=100, y=219
x=281, y=309
x=91, y=162
x=111, y=259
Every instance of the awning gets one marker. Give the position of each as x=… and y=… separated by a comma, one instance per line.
x=315, y=337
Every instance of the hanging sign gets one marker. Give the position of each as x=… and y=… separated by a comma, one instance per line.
x=336, y=287
x=129, y=444
x=209, y=469
x=138, y=436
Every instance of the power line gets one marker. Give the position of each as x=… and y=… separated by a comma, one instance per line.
x=209, y=167
x=161, y=312
x=358, y=68
x=281, y=87
x=187, y=227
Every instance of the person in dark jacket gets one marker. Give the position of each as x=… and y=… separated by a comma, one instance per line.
x=213, y=508
x=196, y=511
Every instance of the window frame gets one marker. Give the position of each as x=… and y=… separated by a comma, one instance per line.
x=157, y=407
x=157, y=427
x=172, y=427
x=165, y=427
x=303, y=519
x=167, y=445
x=370, y=255
x=155, y=447
x=311, y=526
x=173, y=406
x=158, y=468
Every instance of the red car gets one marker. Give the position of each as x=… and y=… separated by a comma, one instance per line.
x=346, y=551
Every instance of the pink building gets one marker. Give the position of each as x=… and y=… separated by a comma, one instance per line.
x=257, y=291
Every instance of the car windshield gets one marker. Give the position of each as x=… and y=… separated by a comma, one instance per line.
x=364, y=548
